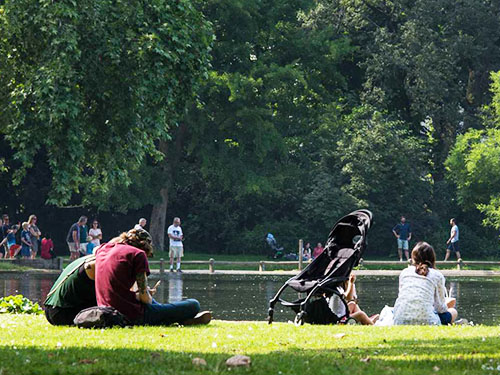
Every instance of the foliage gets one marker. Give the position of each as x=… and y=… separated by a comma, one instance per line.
x=19, y=305
x=474, y=164
x=273, y=349
x=95, y=84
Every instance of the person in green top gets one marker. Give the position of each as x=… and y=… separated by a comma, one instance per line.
x=73, y=291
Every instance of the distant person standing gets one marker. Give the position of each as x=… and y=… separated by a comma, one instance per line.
x=453, y=241
x=35, y=235
x=26, y=243
x=73, y=237
x=84, y=238
x=141, y=225
x=402, y=232
x=95, y=233
x=176, y=247
x=5, y=230
x=307, y=252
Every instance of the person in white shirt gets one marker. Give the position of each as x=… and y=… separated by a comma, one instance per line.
x=422, y=292
x=176, y=247
x=453, y=241
x=141, y=225
x=95, y=233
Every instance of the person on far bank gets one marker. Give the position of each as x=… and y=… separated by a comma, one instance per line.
x=35, y=235
x=453, y=241
x=142, y=224
x=26, y=244
x=176, y=247
x=402, y=232
x=73, y=238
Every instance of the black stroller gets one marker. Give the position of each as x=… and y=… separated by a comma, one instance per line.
x=322, y=279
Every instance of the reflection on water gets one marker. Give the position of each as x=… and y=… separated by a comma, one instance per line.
x=241, y=297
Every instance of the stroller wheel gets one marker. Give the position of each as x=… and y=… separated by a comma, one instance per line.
x=351, y=321
x=299, y=319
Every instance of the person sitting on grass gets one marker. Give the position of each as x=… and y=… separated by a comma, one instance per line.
x=122, y=263
x=354, y=310
x=421, y=299
x=73, y=291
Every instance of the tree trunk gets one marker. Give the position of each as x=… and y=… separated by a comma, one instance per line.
x=158, y=220
x=159, y=211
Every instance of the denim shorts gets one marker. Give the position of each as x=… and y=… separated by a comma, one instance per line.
x=445, y=318
x=453, y=246
x=403, y=244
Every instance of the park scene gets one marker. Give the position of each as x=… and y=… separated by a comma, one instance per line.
x=249, y=186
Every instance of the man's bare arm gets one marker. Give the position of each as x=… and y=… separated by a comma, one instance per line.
x=142, y=286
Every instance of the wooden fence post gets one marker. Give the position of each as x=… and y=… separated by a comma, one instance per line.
x=211, y=265
x=261, y=266
x=162, y=266
x=301, y=251
x=60, y=264
x=459, y=264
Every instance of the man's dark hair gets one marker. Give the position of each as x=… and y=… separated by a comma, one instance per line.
x=454, y=220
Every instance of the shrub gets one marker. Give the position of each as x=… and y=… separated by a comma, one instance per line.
x=19, y=305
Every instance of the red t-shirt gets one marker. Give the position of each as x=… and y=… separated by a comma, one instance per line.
x=47, y=244
x=116, y=268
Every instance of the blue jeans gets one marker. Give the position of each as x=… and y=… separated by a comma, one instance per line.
x=169, y=313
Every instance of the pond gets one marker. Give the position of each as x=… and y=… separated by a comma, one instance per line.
x=245, y=297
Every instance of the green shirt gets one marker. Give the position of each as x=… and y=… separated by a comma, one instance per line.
x=73, y=288
x=83, y=234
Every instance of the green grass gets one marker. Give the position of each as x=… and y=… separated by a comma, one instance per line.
x=8, y=266
x=29, y=345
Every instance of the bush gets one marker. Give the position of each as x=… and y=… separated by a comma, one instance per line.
x=19, y=305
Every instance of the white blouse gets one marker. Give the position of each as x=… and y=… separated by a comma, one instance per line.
x=420, y=298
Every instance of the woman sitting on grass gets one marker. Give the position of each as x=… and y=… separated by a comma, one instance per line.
x=73, y=291
x=422, y=292
x=120, y=265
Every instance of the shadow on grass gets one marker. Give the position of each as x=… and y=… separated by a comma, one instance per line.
x=443, y=356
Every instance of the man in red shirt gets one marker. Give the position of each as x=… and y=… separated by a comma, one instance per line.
x=123, y=262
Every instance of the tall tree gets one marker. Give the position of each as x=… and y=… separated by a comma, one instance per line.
x=94, y=86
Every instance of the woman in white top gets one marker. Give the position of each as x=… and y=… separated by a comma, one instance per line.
x=422, y=292
x=95, y=233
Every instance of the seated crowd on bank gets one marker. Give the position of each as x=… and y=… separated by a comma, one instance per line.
x=116, y=276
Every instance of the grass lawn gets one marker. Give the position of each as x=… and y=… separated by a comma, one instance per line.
x=8, y=266
x=29, y=345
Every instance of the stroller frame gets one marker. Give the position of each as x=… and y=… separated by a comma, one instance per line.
x=328, y=284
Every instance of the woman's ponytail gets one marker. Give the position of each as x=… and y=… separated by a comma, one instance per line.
x=423, y=257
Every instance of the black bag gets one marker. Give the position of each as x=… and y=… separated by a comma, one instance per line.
x=318, y=312
x=100, y=317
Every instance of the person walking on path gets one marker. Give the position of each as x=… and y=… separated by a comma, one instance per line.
x=176, y=247
x=142, y=224
x=453, y=241
x=73, y=237
x=402, y=232
x=35, y=235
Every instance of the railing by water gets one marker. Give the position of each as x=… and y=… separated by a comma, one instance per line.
x=261, y=265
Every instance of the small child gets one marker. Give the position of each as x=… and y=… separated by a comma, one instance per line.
x=25, y=241
x=90, y=246
x=10, y=242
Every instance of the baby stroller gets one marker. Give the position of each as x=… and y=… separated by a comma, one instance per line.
x=323, y=279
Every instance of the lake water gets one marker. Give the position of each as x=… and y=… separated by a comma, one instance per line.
x=242, y=297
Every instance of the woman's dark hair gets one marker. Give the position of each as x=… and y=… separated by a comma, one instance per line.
x=137, y=238
x=96, y=221
x=423, y=257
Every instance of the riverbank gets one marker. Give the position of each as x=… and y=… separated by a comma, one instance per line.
x=29, y=345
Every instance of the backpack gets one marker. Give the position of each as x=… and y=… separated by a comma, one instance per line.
x=100, y=317
x=318, y=312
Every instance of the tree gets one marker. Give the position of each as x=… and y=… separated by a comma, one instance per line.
x=95, y=85
x=474, y=163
